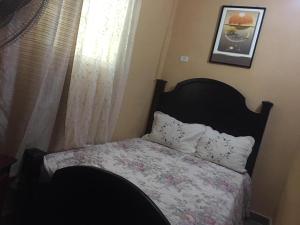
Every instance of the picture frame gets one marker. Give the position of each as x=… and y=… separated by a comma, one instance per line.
x=237, y=35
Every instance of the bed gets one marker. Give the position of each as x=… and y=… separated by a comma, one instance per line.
x=187, y=189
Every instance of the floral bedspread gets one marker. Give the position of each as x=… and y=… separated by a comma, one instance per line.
x=188, y=190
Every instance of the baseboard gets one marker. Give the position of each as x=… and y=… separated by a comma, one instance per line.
x=264, y=220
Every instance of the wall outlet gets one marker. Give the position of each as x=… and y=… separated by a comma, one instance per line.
x=184, y=59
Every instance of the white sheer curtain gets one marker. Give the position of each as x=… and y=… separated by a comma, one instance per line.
x=32, y=76
x=100, y=70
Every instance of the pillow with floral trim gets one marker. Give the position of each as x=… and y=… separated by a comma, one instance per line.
x=225, y=150
x=172, y=133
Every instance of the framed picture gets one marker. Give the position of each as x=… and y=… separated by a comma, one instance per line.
x=237, y=35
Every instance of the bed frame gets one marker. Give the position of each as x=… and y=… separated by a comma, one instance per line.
x=199, y=100
x=214, y=104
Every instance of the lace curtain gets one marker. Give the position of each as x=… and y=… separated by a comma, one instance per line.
x=100, y=70
x=35, y=73
x=32, y=75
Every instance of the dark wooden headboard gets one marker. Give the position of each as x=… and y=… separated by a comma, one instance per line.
x=215, y=104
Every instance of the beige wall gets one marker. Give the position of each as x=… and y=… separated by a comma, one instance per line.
x=289, y=209
x=155, y=19
x=274, y=76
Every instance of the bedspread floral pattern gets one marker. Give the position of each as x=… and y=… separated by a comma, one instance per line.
x=188, y=190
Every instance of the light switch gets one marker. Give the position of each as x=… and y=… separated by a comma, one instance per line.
x=184, y=59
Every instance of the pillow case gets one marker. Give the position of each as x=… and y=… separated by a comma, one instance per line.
x=225, y=150
x=172, y=133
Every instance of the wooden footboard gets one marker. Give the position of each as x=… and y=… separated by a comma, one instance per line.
x=29, y=187
x=31, y=168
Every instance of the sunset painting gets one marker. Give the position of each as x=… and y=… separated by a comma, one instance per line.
x=237, y=35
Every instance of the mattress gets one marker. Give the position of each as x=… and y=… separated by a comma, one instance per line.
x=187, y=189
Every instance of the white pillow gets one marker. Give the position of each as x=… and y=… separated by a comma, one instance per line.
x=225, y=150
x=172, y=133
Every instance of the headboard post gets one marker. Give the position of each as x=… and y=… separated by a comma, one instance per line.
x=265, y=111
x=159, y=89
